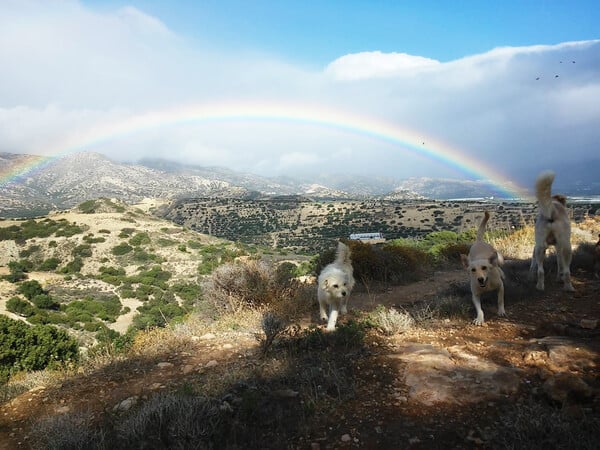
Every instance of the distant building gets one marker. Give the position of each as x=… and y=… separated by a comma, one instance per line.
x=372, y=238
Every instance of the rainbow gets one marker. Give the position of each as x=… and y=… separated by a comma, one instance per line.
x=407, y=140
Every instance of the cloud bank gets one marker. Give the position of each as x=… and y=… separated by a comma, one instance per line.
x=70, y=69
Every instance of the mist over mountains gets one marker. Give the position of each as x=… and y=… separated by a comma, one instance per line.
x=63, y=183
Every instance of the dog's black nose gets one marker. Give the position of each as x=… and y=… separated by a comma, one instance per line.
x=481, y=280
x=344, y=293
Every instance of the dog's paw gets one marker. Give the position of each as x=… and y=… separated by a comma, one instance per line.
x=501, y=313
x=477, y=321
x=568, y=288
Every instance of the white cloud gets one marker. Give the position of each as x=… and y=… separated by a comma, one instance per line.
x=72, y=69
x=359, y=66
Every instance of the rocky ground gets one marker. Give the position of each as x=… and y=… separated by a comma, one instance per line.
x=448, y=384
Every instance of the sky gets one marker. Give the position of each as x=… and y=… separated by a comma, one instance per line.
x=461, y=89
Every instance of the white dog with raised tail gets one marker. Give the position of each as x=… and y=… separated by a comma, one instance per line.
x=552, y=227
x=335, y=283
x=485, y=274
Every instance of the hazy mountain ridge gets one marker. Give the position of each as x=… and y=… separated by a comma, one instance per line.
x=65, y=182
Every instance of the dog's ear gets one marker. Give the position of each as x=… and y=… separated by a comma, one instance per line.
x=325, y=283
x=465, y=260
x=494, y=259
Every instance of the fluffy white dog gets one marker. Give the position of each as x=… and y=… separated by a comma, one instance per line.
x=335, y=283
x=483, y=265
x=552, y=227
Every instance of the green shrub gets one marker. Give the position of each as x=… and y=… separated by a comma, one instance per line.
x=49, y=264
x=84, y=251
x=74, y=266
x=20, y=307
x=44, y=301
x=18, y=270
x=88, y=207
x=30, y=289
x=157, y=313
x=140, y=239
x=121, y=249
x=24, y=347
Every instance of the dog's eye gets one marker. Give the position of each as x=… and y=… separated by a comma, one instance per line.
x=335, y=286
x=483, y=267
x=473, y=270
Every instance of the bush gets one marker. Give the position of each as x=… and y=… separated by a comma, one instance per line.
x=84, y=251
x=140, y=239
x=24, y=347
x=49, y=264
x=391, y=321
x=74, y=266
x=44, y=301
x=30, y=289
x=121, y=249
x=20, y=307
x=88, y=207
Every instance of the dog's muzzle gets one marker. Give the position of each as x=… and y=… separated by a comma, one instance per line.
x=482, y=281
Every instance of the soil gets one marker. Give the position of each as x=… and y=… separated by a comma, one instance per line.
x=383, y=412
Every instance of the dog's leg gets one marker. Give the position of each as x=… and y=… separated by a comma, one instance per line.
x=539, y=254
x=565, y=257
x=344, y=307
x=501, y=311
x=322, y=308
x=477, y=303
x=333, y=315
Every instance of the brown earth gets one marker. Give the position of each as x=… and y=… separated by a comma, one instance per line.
x=444, y=384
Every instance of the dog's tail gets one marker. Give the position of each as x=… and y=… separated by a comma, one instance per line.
x=482, y=225
x=342, y=256
x=543, y=192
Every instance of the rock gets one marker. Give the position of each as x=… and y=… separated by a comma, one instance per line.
x=211, y=363
x=126, y=404
x=435, y=375
x=227, y=346
x=207, y=336
x=346, y=438
x=566, y=386
x=286, y=393
x=188, y=368
x=63, y=409
x=164, y=365
x=589, y=324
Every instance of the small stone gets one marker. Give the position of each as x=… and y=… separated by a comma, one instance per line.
x=62, y=409
x=187, y=369
x=164, y=365
x=589, y=324
x=207, y=336
x=211, y=363
x=346, y=438
x=126, y=404
x=227, y=346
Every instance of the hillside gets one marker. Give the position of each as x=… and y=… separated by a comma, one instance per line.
x=299, y=224
x=106, y=254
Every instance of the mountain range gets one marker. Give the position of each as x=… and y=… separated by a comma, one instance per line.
x=61, y=183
